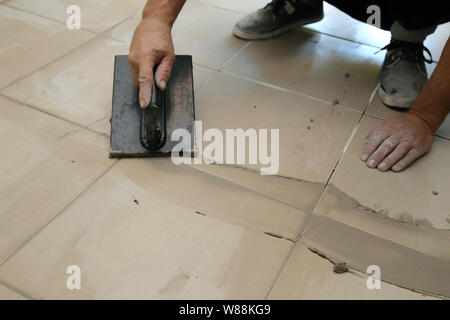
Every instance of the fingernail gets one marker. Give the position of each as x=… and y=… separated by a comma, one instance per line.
x=162, y=85
x=364, y=157
x=371, y=163
x=142, y=103
x=382, y=166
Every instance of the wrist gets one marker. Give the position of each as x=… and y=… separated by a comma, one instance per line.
x=424, y=119
x=150, y=20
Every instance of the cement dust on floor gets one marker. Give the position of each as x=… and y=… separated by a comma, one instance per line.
x=145, y=228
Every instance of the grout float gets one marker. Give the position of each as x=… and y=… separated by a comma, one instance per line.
x=258, y=147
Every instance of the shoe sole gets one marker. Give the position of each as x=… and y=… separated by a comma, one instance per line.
x=266, y=35
x=392, y=101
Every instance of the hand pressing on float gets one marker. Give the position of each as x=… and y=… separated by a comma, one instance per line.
x=151, y=46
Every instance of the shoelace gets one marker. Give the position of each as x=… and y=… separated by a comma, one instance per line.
x=409, y=51
x=276, y=5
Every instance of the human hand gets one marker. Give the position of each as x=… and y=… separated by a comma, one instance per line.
x=397, y=142
x=151, y=46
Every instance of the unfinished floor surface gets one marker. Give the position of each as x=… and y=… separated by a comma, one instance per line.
x=149, y=229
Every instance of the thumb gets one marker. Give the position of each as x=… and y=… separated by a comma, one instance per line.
x=145, y=83
x=163, y=71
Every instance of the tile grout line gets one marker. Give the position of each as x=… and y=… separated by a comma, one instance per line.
x=76, y=197
x=56, y=116
x=95, y=34
x=350, y=139
x=203, y=4
x=311, y=211
x=245, y=46
x=280, y=271
x=297, y=240
x=16, y=290
x=49, y=18
x=266, y=84
x=50, y=62
x=39, y=15
x=63, y=23
x=298, y=93
x=290, y=205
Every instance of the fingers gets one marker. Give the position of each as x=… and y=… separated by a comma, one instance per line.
x=134, y=70
x=163, y=71
x=382, y=152
x=145, y=83
x=399, y=152
x=372, y=143
x=410, y=157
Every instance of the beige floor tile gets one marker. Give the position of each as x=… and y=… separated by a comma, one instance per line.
x=300, y=194
x=125, y=30
x=201, y=75
x=96, y=16
x=436, y=41
x=102, y=126
x=72, y=87
x=313, y=64
x=401, y=207
x=309, y=276
x=201, y=31
x=378, y=109
x=48, y=163
x=312, y=133
x=208, y=195
x=174, y=252
x=35, y=42
x=339, y=24
x=6, y=294
x=246, y=6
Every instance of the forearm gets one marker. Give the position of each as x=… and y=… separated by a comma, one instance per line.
x=433, y=102
x=162, y=10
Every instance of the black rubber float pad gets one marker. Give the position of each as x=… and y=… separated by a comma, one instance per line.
x=126, y=112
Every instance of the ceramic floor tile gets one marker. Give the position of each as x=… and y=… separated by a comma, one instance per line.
x=48, y=162
x=246, y=6
x=208, y=195
x=72, y=87
x=339, y=24
x=378, y=109
x=96, y=16
x=201, y=75
x=35, y=42
x=409, y=208
x=6, y=294
x=201, y=31
x=312, y=134
x=309, y=276
x=175, y=253
x=436, y=41
x=300, y=194
x=313, y=64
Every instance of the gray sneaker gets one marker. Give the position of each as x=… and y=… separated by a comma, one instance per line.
x=276, y=18
x=403, y=74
